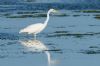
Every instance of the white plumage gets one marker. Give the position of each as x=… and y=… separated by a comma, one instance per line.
x=38, y=27
x=34, y=28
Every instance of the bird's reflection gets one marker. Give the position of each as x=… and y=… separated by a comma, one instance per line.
x=37, y=46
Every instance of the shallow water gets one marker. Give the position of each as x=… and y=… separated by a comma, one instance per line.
x=72, y=40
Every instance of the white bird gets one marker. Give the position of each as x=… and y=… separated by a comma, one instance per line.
x=38, y=27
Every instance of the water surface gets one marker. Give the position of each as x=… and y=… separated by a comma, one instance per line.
x=70, y=40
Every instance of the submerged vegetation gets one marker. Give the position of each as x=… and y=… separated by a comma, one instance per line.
x=32, y=14
x=90, y=11
x=66, y=33
x=97, y=17
x=90, y=51
x=76, y=15
x=26, y=15
x=42, y=13
x=96, y=12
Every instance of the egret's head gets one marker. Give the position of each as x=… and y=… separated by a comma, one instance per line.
x=53, y=10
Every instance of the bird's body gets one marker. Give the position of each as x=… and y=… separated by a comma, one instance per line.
x=29, y=29
x=38, y=27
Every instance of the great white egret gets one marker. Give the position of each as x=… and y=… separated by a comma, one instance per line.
x=38, y=27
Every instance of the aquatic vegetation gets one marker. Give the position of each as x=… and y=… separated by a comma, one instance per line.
x=61, y=15
x=76, y=15
x=27, y=15
x=97, y=17
x=94, y=25
x=67, y=33
x=94, y=47
x=61, y=32
x=33, y=14
x=85, y=15
x=7, y=14
x=27, y=12
x=77, y=11
x=90, y=11
x=60, y=27
x=20, y=16
x=57, y=34
x=72, y=26
x=90, y=51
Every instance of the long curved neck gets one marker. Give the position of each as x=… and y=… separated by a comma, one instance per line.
x=47, y=19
